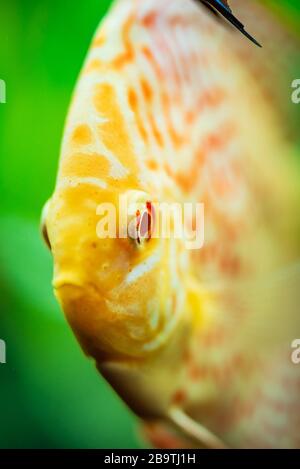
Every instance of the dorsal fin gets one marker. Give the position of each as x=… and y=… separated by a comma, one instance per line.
x=224, y=9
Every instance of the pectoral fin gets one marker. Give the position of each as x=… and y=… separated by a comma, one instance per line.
x=194, y=430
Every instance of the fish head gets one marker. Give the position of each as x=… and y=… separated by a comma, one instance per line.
x=112, y=276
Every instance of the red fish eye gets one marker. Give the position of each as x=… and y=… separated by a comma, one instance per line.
x=145, y=223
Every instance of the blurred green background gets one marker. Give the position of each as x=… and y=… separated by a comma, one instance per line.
x=50, y=394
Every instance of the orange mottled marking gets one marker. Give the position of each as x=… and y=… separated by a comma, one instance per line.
x=128, y=55
x=151, y=59
x=188, y=180
x=95, y=65
x=152, y=165
x=190, y=117
x=230, y=265
x=148, y=95
x=211, y=98
x=179, y=396
x=82, y=135
x=85, y=165
x=162, y=45
x=219, y=140
x=99, y=40
x=177, y=139
x=133, y=103
x=113, y=132
x=157, y=134
x=197, y=373
x=146, y=90
x=215, y=141
x=150, y=19
x=177, y=20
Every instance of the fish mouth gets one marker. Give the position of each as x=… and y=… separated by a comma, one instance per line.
x=70, y=291
x=60, y=283
x=98, y=331
x=67, y=293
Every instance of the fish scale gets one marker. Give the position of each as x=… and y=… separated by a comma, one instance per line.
x=167, y=106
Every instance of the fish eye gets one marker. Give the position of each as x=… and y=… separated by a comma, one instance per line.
x=145, y=223
x=141, y=221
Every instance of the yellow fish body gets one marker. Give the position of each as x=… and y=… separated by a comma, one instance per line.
x=173, y=106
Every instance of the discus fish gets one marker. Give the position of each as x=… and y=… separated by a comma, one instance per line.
x=172, y=105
